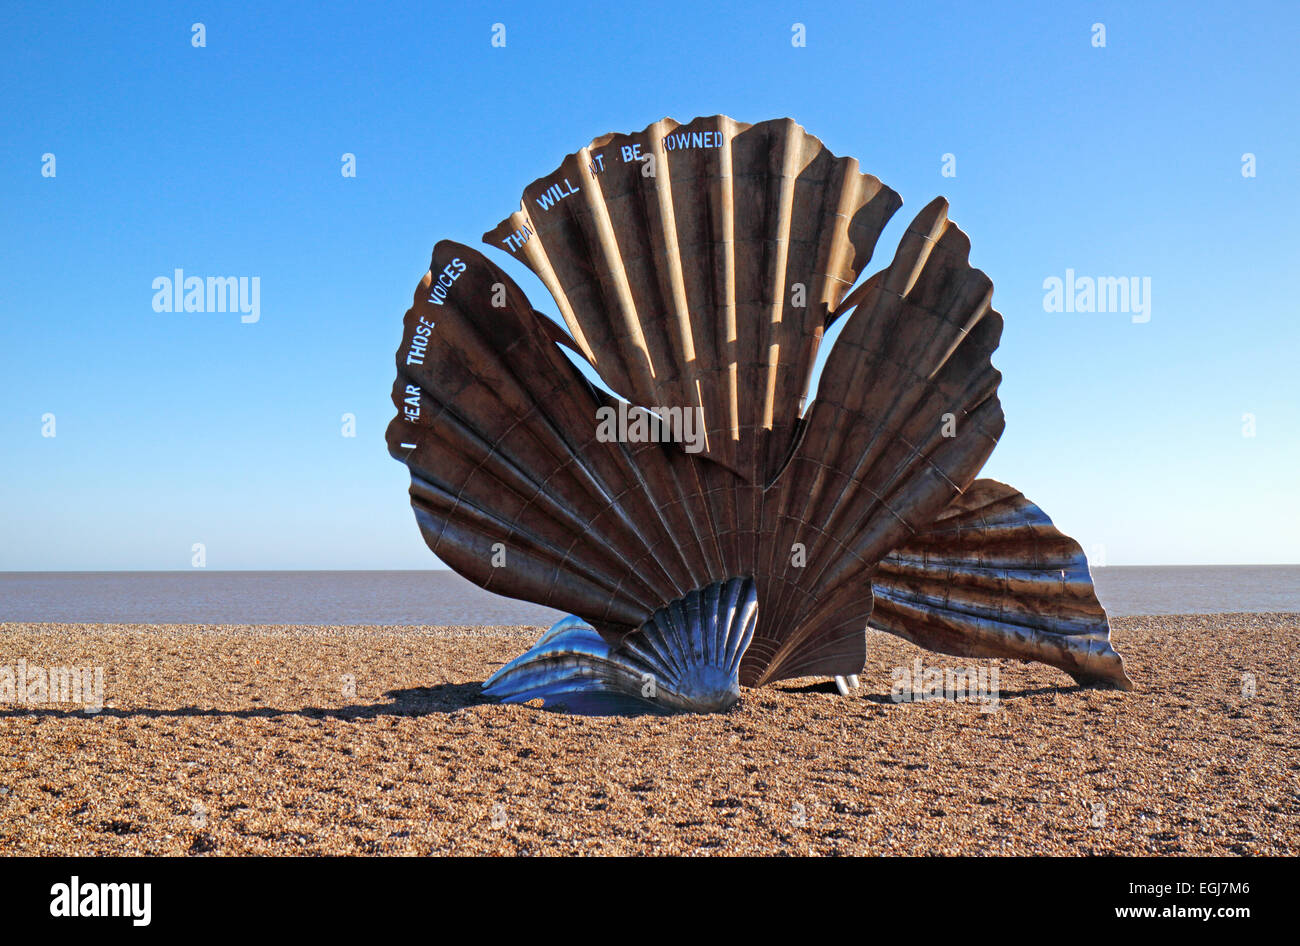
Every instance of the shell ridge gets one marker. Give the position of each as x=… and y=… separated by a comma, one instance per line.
x=991, y=618
x=680, y=281
x=572, y=659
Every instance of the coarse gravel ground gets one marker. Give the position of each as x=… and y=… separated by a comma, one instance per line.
x=375, y=740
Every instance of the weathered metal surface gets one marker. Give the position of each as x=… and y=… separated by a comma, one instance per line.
x=686, y=658
x=675, y=267
x=992, y=577
x=701, y=279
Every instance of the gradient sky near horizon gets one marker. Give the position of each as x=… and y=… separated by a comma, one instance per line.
x=177, y=428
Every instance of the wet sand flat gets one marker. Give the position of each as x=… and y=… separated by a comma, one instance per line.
x=235, y=740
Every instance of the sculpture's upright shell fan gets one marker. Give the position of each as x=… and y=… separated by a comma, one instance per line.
x=696, y=268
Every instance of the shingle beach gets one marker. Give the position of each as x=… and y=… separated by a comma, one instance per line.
x=375, y=740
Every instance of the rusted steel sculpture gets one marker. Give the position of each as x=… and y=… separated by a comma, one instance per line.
x=723, y=526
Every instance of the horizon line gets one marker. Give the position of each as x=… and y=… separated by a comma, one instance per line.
x=166, y=571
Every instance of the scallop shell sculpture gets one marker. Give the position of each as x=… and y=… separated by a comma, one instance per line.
x=715, y=525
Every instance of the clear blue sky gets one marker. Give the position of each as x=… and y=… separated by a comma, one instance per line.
x=178, y=428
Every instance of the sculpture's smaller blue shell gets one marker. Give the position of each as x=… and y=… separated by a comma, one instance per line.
x=685, y=658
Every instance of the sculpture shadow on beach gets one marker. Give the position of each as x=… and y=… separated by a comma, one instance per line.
x=416, y=701
x=886, y=698
x=452, y=697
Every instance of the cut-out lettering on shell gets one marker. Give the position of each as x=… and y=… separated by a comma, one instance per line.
x=695, y=269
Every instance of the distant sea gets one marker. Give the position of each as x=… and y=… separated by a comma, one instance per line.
x=442, y=597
